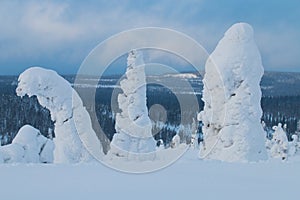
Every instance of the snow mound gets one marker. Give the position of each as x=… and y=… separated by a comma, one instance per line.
x=232, y=112
x=133, y=140
x=73, y=128
x=29, y=146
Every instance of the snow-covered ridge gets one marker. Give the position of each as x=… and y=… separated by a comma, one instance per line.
x=182, y=75
x=272, y=84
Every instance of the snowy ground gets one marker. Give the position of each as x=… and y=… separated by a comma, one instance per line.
x=187, y=178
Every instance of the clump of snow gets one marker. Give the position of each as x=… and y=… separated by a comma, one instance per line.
x=47, y=155
x=12, y=153
x=73, y=129
x=133, y=140
x=29, y=146
x=231, y=116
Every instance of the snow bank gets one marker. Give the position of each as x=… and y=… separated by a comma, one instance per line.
x=73, y=129
x=29, y=146
x=133, y=140
x=232, y=112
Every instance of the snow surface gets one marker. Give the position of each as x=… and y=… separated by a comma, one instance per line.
x=232, y=112
x=188, y=178
x=29, y=146
x=133, y=140
x=75, y=137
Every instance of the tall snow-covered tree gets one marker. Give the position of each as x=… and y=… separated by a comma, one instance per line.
x=133, y=139
x=231, y=116
x=74, y=137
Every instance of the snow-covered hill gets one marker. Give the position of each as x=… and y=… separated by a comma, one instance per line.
x=273, y=83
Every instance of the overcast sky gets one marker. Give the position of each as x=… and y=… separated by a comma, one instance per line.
x=60, y=34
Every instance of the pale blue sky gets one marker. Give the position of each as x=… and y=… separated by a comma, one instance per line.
x=59, y=34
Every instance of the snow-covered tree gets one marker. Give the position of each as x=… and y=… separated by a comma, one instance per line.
x=133, y=139
x=298, y=129
x=194, y=136
x=294, y=145
x=231, y=116
x=278, y=146
x=175, y=141
x=67, y=111
x=29, y=146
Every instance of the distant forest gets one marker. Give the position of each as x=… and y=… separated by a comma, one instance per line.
x=16, y=112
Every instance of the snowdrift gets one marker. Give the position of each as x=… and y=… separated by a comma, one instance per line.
x=29, y=146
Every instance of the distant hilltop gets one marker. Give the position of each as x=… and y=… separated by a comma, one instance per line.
x=272, y=84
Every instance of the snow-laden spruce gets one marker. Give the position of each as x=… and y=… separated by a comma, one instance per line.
x=29, y=146
x=278, y=146
x=133, y=140
x=232, y=111
x=67, y=111
x=294, y=146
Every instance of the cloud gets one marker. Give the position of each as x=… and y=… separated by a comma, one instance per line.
x=62, y=33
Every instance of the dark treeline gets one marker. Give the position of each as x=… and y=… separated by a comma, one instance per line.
x=285, y=110
x=16, y=112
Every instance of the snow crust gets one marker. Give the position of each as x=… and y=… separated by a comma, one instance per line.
x=232, y=112
x=133, y=140
x=75, y=137
x=29, y=146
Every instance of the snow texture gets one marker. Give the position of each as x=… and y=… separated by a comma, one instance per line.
x=74, y=136
x=133, y=140
x=232, y=112
x=29, y=146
